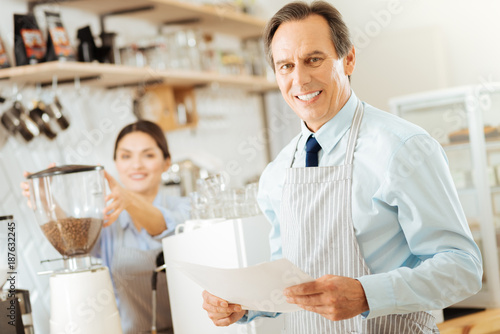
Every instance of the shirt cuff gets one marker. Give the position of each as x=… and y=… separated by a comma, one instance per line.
x=170, y=222
x=379, y=294
x=251, y=315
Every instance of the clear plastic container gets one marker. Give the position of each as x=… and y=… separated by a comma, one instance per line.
x=68, y=202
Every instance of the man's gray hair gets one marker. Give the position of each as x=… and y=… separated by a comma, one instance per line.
x=299, y=10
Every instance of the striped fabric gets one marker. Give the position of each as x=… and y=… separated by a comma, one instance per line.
x=318, y=236
x=132, y=270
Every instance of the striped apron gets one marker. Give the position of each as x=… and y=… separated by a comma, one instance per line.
x=318, y=236
x=132, y=270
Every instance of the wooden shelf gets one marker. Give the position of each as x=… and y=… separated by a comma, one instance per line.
x=491, y=143
x=221, y=19
x=109, y=75
x=486, y=322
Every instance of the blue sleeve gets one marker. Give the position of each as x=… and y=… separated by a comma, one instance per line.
x=176, y=213
x=251, y=315
x=419, y=185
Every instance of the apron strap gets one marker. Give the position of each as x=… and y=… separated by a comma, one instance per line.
x=356, y=123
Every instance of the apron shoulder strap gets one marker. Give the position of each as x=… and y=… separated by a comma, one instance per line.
x=353, y=135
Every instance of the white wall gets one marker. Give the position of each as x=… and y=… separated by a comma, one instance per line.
x=417, y=45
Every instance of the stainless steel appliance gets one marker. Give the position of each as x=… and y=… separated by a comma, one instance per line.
x=182, y=175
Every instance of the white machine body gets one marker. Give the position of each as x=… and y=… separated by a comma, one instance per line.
x=83, y=302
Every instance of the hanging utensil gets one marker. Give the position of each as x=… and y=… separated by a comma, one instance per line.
x=42, y=119
x=55, y=109
x=38, y=114
x=16, y=120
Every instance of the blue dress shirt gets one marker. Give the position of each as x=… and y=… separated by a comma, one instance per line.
x=407, y=217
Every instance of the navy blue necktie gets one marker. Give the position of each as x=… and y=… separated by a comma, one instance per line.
x=312, y=149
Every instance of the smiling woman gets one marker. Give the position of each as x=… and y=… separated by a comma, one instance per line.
x=141, y=157
x=138, y=217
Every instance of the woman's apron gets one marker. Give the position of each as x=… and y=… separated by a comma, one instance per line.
x=132, y=270
x=318, y=236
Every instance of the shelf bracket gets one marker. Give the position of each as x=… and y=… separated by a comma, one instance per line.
x=182, y=22
x=67, y=81
x=139, y=84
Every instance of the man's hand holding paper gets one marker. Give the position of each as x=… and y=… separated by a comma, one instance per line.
x=231, y=291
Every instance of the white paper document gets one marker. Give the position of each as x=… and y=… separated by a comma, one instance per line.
x=258, y=287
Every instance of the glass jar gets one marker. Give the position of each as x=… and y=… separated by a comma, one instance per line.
x=69, y=206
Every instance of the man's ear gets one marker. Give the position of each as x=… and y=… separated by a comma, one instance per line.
x=350, y=61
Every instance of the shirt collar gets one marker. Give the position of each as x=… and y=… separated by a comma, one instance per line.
x=126, y=221
x=332, y=131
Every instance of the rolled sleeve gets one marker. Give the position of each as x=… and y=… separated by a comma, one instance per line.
x=175, y=217
x=170, y=224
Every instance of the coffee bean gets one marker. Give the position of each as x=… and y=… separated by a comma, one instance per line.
x=73, y=236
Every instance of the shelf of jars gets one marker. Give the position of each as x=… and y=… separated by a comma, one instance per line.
x=211, y=18
x=110, y=76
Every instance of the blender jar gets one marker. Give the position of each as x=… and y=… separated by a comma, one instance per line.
x=68, y=202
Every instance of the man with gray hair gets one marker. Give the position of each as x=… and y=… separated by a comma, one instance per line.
x=361, y=200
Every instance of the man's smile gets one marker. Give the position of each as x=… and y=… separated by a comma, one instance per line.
x=307, y=97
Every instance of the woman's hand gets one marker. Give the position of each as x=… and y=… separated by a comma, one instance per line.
x=120, y=198
x=25, y=186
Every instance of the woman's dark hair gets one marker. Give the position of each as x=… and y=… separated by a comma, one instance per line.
x=148, y=128
x=296, y=11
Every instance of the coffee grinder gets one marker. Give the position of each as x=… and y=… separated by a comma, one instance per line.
x=69, y=202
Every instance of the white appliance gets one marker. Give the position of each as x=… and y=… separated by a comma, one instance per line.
x=83, y=302
x=233, y=243
x=69, y=202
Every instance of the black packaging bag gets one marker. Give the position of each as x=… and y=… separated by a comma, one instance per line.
x=58, y=46
x=29, y=46
x=86, y=49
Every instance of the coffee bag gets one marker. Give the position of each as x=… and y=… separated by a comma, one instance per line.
x=58, y=45
x=29, y=46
